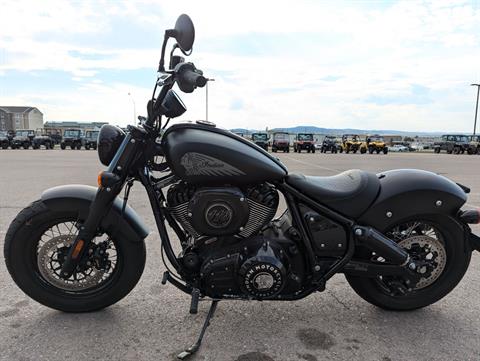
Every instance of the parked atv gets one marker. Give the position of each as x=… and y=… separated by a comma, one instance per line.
x=281, y=141
x=474, y=145
x=90, y=139
x=23, y=138
x=452, y=143
x=304, y=141
x=4, y=141
x=261, y=139
x=329, y=144
x=72, y=138
x=55, y=134
x=42, y=137
x=350, y=143
x=374, y=143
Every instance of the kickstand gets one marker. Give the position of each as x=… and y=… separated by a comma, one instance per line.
x=194, y=348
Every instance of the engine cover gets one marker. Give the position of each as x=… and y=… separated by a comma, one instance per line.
x=263, y=274
x=222, y=211
x=218, y=211
x=255, y=268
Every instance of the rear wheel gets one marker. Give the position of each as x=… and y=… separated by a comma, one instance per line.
x=35, y=246
x=435, y=241
x=385, y=150
x=437, y=150
x=26, y=145
x=62, y=146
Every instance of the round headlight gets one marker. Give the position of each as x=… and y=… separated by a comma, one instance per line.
x=109, y=139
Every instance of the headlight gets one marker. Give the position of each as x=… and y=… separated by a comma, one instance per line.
x=109, y=139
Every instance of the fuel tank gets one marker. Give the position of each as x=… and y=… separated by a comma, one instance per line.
x=201, y=153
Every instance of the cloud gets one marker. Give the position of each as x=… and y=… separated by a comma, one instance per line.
x=403, y=65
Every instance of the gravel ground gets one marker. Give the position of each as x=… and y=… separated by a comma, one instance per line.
x=152, y=323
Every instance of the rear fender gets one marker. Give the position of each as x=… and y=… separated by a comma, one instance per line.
x=405, y=193
x=79, y=198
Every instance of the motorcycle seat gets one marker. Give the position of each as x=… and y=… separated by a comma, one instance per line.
x=349, y=193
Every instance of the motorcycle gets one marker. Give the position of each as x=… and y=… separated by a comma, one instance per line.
x=400, y=237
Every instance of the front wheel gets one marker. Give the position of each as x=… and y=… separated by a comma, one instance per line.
x=36, y=244
x=438, y=243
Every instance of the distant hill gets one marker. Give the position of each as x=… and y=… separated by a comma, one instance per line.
x=318, y=130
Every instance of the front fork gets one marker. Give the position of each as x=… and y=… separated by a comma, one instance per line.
x=110, y=184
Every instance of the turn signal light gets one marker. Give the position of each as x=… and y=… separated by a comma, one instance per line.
x=77, y=249
x=99, y=179
x=472, y=216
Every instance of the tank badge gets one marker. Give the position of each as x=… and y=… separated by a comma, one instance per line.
x=201, y=164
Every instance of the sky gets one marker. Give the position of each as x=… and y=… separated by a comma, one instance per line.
x=404, y=65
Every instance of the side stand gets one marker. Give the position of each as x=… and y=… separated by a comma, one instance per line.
x=194, y=348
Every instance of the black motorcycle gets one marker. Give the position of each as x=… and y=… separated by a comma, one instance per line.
x=399, y=237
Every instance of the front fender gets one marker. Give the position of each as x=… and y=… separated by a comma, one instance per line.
x=79, y=197
x=408, y=192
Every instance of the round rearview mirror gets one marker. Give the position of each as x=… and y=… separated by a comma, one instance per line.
x=184, y=32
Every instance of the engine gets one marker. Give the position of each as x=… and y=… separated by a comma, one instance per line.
x=222, y=211
x=262, y=267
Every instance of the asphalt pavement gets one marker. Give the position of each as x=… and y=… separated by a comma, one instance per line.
x=153, y=323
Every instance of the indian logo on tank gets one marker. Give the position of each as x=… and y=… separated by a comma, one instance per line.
x=201, y=164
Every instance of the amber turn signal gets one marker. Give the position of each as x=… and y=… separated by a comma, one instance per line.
x=78, y=248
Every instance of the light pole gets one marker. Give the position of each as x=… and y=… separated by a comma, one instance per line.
x=206, y=98
x=134, y=110
x=476, y=108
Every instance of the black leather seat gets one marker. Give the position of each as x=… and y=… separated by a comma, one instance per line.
x=349, y=193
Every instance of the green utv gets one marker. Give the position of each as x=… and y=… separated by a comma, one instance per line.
x=260, y=139
x=452, y=143
x=72, y=138
x=90, y=139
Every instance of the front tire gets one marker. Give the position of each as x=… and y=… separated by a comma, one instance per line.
x=457, y=252
x=27, y=261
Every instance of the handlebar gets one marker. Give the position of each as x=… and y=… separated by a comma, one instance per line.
x=188, y=77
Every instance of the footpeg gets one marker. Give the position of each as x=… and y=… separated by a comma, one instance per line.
x=194, y=302
x=165, y=277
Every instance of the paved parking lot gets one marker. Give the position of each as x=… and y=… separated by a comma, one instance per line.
x=153, y=323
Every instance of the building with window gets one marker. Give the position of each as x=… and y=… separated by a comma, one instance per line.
x=13, y=118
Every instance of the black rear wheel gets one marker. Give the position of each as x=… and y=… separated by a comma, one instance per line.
x=437, y=242
x=36, y=244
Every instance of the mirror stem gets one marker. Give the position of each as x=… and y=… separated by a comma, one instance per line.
x=168, y=34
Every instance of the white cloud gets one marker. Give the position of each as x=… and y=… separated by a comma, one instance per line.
x=381, y=51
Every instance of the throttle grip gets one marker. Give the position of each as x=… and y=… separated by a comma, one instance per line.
x=188, y=77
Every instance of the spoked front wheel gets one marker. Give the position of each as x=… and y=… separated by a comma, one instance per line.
x=36, y=245
x=438, y=245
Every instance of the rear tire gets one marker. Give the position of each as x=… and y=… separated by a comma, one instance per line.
x=458, y=254
x=24, y=237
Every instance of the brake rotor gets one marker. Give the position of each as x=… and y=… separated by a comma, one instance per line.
x=50, y=266
x=433, y=254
